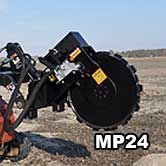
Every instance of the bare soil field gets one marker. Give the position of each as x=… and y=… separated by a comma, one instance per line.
x=58, y=139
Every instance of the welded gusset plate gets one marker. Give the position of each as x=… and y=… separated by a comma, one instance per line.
x=96, y=106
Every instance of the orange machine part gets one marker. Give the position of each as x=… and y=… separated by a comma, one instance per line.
x=4, y=135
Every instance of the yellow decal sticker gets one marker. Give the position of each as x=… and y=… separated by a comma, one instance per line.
x=99, y=76
x=52, y=78
x=74, y=54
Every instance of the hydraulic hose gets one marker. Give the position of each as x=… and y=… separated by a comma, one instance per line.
x=14, y=95
x=28, y=104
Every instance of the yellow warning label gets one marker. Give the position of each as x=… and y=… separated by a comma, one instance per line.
x=99, y=76
x=74, y=54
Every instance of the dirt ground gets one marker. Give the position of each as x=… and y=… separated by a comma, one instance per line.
x=58, y=139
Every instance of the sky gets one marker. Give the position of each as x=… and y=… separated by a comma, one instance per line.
x=117, y=25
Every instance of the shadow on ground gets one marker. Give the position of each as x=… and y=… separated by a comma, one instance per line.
x=58, y=146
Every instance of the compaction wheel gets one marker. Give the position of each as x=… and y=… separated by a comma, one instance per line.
x=95, y=106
